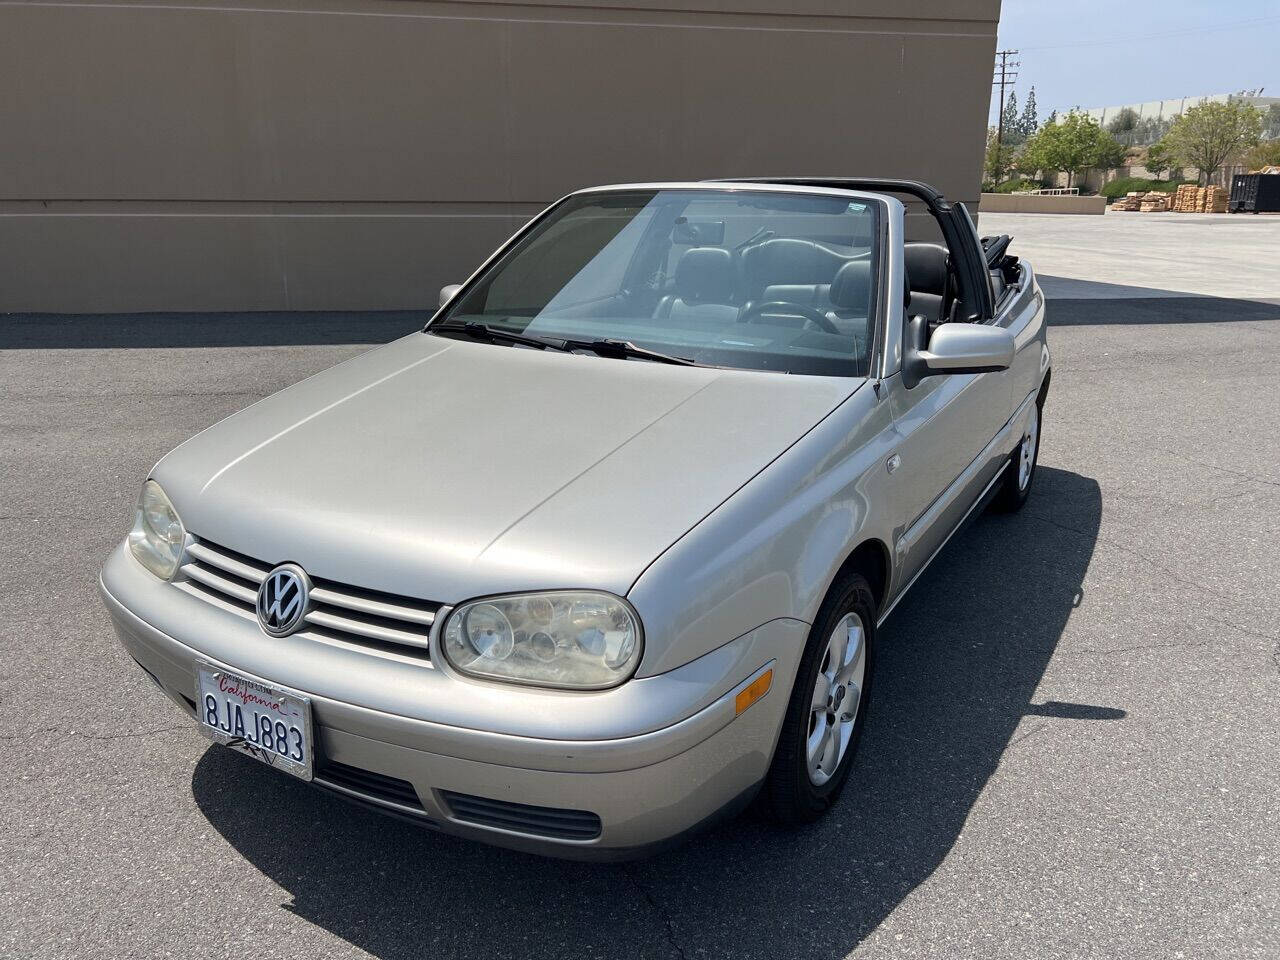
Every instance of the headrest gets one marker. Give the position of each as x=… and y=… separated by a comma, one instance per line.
x=705, y=273
x=926, y=267
x=852, y=286
x=787, y=260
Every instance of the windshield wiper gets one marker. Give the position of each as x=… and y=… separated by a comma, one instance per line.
x=626, y=350
x=605, y=347
x=491, y=334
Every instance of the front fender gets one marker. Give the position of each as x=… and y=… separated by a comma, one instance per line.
x=772, y=549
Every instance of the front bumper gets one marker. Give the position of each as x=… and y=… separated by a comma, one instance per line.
x=675, y=757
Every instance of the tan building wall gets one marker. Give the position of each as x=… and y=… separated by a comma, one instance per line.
x=356, y=154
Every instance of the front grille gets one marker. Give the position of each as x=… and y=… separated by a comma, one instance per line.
x=367, y=785
x=522, y=818
x=367, y=618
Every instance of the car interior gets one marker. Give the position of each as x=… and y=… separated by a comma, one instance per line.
x=768, y=282
x=727, y=278
x=784, y=282
x=788, y=281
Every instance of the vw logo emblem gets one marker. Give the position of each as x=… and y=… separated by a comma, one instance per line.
x=282, y=600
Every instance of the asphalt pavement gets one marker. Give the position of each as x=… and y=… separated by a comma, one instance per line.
x=1074, y=747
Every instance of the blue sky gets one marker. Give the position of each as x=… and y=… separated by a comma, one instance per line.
x=1094, y=54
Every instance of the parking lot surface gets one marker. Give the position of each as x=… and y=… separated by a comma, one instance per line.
x=1143, y=255
x=1072, y=752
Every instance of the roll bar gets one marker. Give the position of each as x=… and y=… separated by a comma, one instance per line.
x=957, y=230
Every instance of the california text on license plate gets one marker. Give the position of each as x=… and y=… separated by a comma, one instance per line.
x=267, y=722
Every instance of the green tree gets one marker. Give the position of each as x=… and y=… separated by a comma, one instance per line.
x=1123, y=122
x=1027, y=123
x=997, y=161
x=1265, y=154
x=1107, y=153
x=1072, y=145
x=1148, y=131
x=1157, y=159
x=1012, y=133
x=1271, y=122
x=1209, y=134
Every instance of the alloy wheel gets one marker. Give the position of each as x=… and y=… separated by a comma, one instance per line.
x=1027, y=454
x=837, y=695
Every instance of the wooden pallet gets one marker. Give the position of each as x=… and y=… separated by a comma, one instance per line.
x=1129, y=203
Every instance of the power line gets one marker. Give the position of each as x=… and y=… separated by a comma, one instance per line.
x=1181, y=32
x=1006, y=74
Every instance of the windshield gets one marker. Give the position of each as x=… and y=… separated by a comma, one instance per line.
x=754, y=279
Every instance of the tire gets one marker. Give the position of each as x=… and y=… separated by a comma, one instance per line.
x=793, y=793
x=1015, y=488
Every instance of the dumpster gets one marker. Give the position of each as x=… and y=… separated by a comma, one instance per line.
x=1255, y=193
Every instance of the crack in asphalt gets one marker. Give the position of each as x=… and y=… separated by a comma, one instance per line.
x=1133, y=553
x=1214, y=466
x=660, y=911
x=1275, y=656
x=44, y=731
x=1035, y=728
x=1242, y=628
x=1139, y=648
x=160, y=395
x=1188, y=644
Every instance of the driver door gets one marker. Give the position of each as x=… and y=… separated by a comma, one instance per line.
x=945, y=426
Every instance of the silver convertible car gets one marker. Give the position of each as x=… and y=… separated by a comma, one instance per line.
x=601, y=553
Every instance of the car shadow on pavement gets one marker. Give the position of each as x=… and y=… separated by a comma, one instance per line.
x=1073, y=303
x=959, y=664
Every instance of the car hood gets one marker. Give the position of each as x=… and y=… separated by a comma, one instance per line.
x=447, y=469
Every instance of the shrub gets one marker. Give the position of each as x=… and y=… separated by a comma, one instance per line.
x=1014, y=185
x=1121, y=185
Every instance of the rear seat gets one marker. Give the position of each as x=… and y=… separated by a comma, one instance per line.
x=787, y=262
x=814, y=275
x=928, y=278
x=810, y=294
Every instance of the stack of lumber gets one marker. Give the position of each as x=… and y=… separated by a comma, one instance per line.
x=1193, y=199
x=1186, y=199
x=1129, y=203
x=1154, y=202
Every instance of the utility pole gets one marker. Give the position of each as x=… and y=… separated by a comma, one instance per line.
x=1006, y=74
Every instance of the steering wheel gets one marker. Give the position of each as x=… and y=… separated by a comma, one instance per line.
x=811, y=314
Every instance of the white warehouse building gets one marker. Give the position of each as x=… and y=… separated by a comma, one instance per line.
x=1168, y=109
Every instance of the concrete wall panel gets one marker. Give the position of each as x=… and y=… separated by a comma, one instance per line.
x=348, y=154
x=1025, y=203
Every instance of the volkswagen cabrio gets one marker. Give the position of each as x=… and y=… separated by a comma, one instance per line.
x=600, y=553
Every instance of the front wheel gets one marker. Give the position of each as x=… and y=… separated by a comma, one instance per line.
x=1016, y=486
x=828, y=704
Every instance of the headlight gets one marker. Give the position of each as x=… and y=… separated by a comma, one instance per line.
x=157, y=534
x=567, y=638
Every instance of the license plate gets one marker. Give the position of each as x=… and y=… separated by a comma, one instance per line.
x=266, y=722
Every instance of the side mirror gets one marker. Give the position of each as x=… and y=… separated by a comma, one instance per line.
x=448, y=292
x=955, y=348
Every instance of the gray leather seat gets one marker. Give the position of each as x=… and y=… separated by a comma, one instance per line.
x=704, y=284
x=787, y=261
x=851, y=300
x=929, y=280
x=810, y=294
